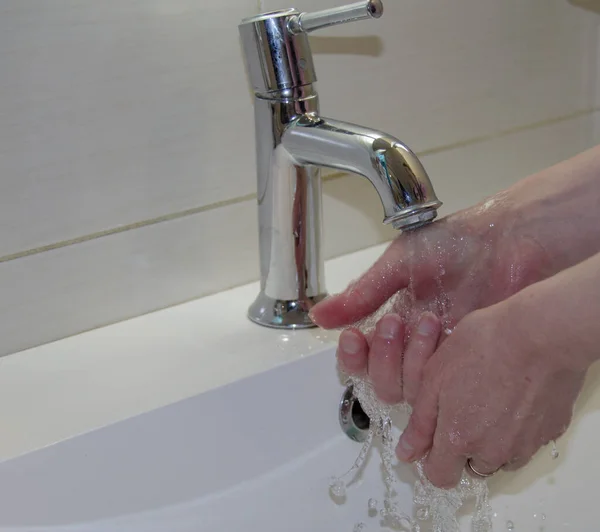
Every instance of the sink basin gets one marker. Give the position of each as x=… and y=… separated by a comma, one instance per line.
x=257, y=455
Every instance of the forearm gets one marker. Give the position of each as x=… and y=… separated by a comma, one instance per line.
x=561, y=315
x=560, y=209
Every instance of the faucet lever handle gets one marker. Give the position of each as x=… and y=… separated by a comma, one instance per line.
x=307, y=22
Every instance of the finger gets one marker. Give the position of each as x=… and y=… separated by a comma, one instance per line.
x=353, y=351
x=443, y=467
x=385, y=359
x=420, y=347
x=417, y=438
x=388, y=275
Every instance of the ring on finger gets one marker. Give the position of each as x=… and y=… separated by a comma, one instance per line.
x=478, y=473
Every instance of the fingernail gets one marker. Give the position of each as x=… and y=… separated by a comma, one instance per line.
x=404, y=450
x=350, y=343
x=389, y=327
x=427, y=325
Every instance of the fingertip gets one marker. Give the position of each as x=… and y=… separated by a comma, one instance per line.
x=325, y=313
x=405, y=450
x=385, y=359
x=412, y=446
x=353, y=351
x=390, y=327
x=420, y=348
x=363, y=297
x=444, y=472
x=429, y=326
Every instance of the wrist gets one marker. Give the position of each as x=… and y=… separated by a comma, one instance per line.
x=558, y=209
x=534, y=318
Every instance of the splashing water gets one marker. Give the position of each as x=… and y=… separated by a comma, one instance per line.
x=439, y=506
x=433, y=504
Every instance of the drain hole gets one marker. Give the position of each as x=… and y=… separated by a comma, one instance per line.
x=360, y=419
x=353, y=419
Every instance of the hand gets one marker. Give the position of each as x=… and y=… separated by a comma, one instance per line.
x=540, y=226
x=490, y=394
x=454, y=266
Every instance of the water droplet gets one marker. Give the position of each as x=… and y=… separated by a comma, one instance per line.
x=337, y=488
x=448, y=331
x=543, y=517
x=510, y=525
x=554, y=452
x=491, y=225
x=359, y=527
x=422, y=514
x=372, y=504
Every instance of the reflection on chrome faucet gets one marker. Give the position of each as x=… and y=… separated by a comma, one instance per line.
x=293, y=143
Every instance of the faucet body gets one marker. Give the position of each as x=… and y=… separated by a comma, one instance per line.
x=293, y=143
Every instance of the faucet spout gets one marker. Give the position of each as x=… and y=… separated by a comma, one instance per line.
x=405, y=190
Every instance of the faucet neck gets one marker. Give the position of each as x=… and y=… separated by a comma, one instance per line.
x=289, y=214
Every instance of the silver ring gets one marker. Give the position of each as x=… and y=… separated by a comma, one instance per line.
x=479, y=473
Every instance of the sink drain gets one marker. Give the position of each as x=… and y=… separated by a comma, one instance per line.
x=353, y=420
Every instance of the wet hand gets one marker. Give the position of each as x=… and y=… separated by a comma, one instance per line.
x=394, y=371
x=448, y=269
x=488, y=394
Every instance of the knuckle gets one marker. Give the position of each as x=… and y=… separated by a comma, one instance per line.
x=494, y=458
x=458, y=446
x=420, y=427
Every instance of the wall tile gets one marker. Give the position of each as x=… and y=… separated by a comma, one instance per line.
x=118, y=111
x=439, y=73
x=122, y=111
x=58, y=293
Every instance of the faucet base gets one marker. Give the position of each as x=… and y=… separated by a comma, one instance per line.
x=283, y=314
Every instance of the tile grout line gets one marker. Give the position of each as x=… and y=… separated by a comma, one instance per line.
x=507, y=132
x=127, y=227
x=248, y=197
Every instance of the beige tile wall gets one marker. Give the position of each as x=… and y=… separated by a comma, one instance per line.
x=126, y=137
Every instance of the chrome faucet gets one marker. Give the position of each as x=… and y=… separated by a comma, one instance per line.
x=293, y=142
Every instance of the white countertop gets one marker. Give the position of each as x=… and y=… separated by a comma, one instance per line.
x=58, y=390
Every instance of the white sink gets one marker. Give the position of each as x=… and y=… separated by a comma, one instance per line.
x=256, y=456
